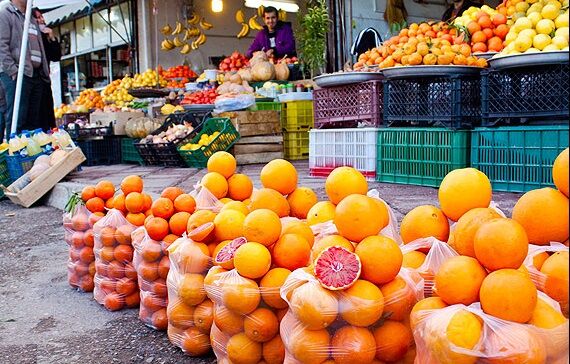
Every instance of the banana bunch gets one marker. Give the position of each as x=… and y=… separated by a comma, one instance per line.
x=177, y=42
x=191, y=32
x=166, y=30
x=194, y=19
x=282, y=15
x=240, y=17
x=205, y=25
x=260, y=11
x=167, y=45
x=178, y=29
x=244, y=31
x=199, y=41
x=253, y=24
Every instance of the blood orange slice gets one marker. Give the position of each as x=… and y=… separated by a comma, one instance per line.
x=225, y=257
x=337, y=268
x=202, y=232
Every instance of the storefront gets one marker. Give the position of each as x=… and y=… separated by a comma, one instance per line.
x=96, y=45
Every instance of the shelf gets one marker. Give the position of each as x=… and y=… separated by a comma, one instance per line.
x=96, y=60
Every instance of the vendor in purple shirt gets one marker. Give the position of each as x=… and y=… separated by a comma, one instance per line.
x=276, y=37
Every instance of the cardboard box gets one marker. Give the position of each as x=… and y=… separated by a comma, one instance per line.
x=117, y=119
x=32, y=191
x=251, y=123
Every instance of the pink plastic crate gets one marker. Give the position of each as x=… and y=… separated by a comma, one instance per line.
x=349, y=106
x=324, y=172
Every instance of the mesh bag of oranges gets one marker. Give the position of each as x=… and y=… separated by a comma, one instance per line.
x=78, y=226
x=466, y=334
x=547, y=266
x=115, y=278
x=190, y=312
x=247, y=312
x=359, y=322
x=152, y=264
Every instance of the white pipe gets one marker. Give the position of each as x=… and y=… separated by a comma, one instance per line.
x=21, y=66
x=144, y=15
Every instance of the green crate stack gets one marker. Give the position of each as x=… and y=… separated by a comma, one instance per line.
x=276, y=106
x=225, y=140
x=297, y=119
x=4, y=175
x=420, y=156
x=130, y=154
x=518, y=158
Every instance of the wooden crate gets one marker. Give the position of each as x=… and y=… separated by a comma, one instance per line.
x=36, y=189
x=258, y=149
x=252, y=123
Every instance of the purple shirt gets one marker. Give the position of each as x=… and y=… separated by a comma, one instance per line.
x=284, y=41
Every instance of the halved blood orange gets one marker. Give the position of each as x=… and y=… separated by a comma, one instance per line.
x=202, y=232
x=225, y=257
x=337, y=268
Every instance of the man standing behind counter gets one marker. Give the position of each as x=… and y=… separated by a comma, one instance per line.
x=275, y=39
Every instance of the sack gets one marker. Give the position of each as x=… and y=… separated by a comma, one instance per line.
x=78, y=226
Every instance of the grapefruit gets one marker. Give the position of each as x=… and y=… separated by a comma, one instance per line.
x=337, y=268
x=225, y=257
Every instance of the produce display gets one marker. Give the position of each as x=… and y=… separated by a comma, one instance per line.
x=233, y=83
x=204, y=141
x=487, y=28
x=235, y=62
x=168, y=109
x=182, y=34
x=141, y=127
x=91, y=99
x=200, y=98
x=117, y=92
x=180, y=71
x=149, y=78
x=173, y=133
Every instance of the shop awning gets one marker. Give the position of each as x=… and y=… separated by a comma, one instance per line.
x=65, y=12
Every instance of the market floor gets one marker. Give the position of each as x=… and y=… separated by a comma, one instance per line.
x=42, y=320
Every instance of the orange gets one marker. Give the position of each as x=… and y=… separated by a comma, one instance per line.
x=105, y=190
x=134, y=203
x=544, y=214
x=241, y=296
x=86, y=254
x=228, y=225
x=353, y=345
x=560, y=172
x=352, y=217
x=279, y=175
x=270, y=285
x=462, y=190
x=430, y=303
x=95, y=204
x=274, y=351
x=107, y=236
x=499, y=19
x=216, y=184
x=179, y=314
x=184, y=203
x=178, y=223
x=131, y=183
x=159, y=319
x=545, y=316
x=194, y=257
x=423, y=222
x=393, y=340
x=362, y=304
x=119, y=203
x=501, y=31
x=262, y=226
x=556, y=270
x=261, y=325
x=291, y=251
x=399, y=299
x=116, y=269
x=539, y=259
x=204, y=316
x=242, y=350
x=508, y=294
x=344, y=181
x=191, y=289
x=309, y=346
x=136, y=219
x=87, y=193
x=157, y=228
x=122, y=253
x=80, y=222
x=113, y=302
x=163, y=207
x=200, y=218
x=148, y=271
x=459, y=279
x=301, y=200
x=321, y=212
x=301, y=228
x=267, y=198
x=240, y=187
x=227, y=321
x=501, y=243
x=461, y=239
x=195, y=342
x=381, y=259
x=171, y=193
x=126, y=286
x=473, y=27
x=495, y=44
x=252, y=260
x=236, y=206
x=313, y=305
x=106, y=254
x=123, y=234
x=222, y=162
x=530, y=348
x=413, y=259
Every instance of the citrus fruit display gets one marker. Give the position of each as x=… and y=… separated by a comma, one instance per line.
x=485, y=28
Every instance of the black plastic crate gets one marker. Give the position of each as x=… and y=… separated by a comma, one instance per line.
x=99, y=152
x=452, y=101
x=87, y=133
x=166, y=154
x=526, y=95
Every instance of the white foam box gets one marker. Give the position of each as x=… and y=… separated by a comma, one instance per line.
x=117, y=119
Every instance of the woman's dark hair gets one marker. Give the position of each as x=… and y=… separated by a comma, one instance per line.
x=269, y=10
x=35, y=11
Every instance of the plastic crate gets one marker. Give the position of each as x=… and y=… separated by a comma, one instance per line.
x=275, y=106
x=453, y=101
x=166, y=154
x=98, y=152
x=349, y=106
x=297, y=115
x=518, y=158
x=4, y=174
x=529, y=94
x=224, y=141
x=86, y=133
x=332, y=148
x=72, y=118
x=18, y=166
x=130, y=154
x=296, y=145
x=420, y=156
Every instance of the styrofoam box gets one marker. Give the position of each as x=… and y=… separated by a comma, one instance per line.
x=354, y=147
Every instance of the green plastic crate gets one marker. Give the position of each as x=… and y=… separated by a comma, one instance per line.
x=518, y=158
x=297, y=115
x=224, y=141
x=4, y=175
x=130, y=154
x=276, y=106
x=296, y=145
x=420, y=156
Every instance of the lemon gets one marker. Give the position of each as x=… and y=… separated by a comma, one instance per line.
x=534, y=18
x=511, y=36
x=534, y=8
x=540, y=41
x=555, y=3
x=563, y=32
x=522, y=7
x=522, y=24
x=560, y=41
x=561, y=20
x=522, y=43
x=550, y=47
x=545, y=26
x=550, y=11
x=528, y=33
x=532, y=50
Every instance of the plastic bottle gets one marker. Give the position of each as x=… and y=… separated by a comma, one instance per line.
x=14, y=145
x=32, y=146
x=62, y=138
x=24, y=144
x=43, y=140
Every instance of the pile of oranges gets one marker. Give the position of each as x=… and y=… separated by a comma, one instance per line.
x=78, y=227
x=488, y=33
x=422, y=44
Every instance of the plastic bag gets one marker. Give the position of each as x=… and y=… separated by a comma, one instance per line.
x=78, y=226
x=116, y=284
x=246, y=316
x=356, y=325
x=152, y=265
x=391, y=230
x=190, y=312
x=438, y=253
x=233, y=102
x=205, y=200
x=461, y=334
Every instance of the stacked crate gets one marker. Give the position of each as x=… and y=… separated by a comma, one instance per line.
x=296, y=121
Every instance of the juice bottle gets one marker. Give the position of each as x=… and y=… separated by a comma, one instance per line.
x=43, y=140
x=14, y=145
x=32, y=146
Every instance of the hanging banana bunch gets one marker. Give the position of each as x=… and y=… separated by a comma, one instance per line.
x=167, y=45
x=194, y=19
x=205, y=25
x=253, y=24
x=177, y=42
x=199, y=41
x=260, y=11
x=178, y=29
x=282, y=15
x=240, y=19
x=166, y=30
